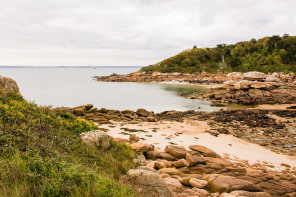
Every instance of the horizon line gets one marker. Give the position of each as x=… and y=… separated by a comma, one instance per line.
x=6, y=66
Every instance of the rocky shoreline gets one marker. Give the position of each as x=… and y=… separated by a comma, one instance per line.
x=199, y=171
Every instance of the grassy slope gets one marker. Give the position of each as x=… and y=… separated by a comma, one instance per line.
x=41, y=154
x=269, y=54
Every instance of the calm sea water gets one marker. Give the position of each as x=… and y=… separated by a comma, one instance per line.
x=74, y=86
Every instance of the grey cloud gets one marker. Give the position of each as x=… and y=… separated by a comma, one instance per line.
x=131, y=32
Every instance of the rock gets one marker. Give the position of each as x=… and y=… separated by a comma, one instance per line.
x=258, y=85
x=235, y=76
x=241, y=85
x=254, y=76
x=167, y=163
x=120, y=140
x=142, y=147
x=147, y=182
x=250, y=194
x=174, y=184
x=79, y=111
x=181, y=163
x=133, y=138
x=140, y=161
x=176, y=151
x=204, y=151
x=127, y=112
x=146, y=168
x=150, y=164
x=170, y=171
x=272, y=79
x=185, y=181
x=198, y=183
x=143, y=112
x=195, y=192
x=8, y=85
x=221, y=183
x=160, y=155
x=217, y=161
x=96, y=138
x=226, y=195
x=159, y=165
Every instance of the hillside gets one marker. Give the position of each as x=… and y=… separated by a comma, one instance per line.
x=268, y=54
x=42, y=154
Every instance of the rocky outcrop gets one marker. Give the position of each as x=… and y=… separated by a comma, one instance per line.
x=96, y=138
x=208, y=176
x=148, y=183
x=198, y=78
x=8, y=84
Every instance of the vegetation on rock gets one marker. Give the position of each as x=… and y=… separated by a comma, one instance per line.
x=268, y=54
x=42, y=154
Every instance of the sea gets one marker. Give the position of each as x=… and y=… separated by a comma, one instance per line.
x=71, y=87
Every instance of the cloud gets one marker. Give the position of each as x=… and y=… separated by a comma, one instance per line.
x=131, y=32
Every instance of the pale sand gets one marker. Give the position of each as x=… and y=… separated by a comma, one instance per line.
x=174, y=82
x=185, y=134
x=274, y=107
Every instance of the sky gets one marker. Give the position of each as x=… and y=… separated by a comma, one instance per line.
x=131, y=32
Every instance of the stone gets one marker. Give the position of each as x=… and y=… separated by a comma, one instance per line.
x=160, y=155
x=258, y=85
x=195, y=192
x=272, y=79
x=147, y=182
x=204, y=151
x=221, y=183
x=8, y=85
x=167, y=163
x=250, y=194
x=79, y=111
x=217, y=161
x=198, y=183
x=143, y=112
x=174, y=184
x=226, y=195
x=134, y=138
x=142, y=147
x=159, y=165
x=146, y=168
x=241, y=85
x=96, y=138
x=170, y=171
x=235, y=76
x=254, y=76
x=185, y=181
x=176, y=151
x=194, y=160
x=181, y=163
x=150, y=164
x=140, y=161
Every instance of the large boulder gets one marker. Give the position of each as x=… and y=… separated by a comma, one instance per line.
x=8, y=84
x=148, y=183
x=96, y=138
x=174, y=184
x=176, y=151
x=221, y=183
x=142, y=147
x=181, y=163
x=205, y=151
x=254, y=76
x=198, y=183
x=234, y=76
x=194, y=160
x=242, y=85
x=143, y=112
x=160, y=155
x=272, y=79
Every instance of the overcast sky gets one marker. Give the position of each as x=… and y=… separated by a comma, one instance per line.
x=131, y=32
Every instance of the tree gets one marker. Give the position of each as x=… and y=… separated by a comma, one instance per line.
x=221, y=51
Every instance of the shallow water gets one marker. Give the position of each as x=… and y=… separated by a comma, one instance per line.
x=75, y=86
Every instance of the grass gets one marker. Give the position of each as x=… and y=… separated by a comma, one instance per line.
x=42, y=154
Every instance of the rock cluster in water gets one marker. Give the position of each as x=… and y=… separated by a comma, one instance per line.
x=255, y=88
x=199, y=78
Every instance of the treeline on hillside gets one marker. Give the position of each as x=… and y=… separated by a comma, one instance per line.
x=268, y=54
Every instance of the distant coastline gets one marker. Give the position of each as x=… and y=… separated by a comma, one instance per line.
x=3, y=66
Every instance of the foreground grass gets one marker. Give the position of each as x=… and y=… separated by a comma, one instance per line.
x=41, y=154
